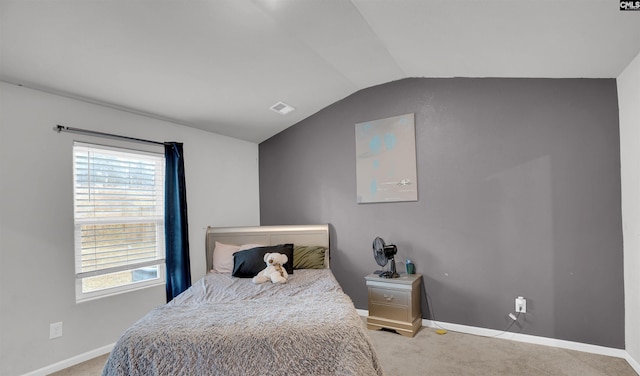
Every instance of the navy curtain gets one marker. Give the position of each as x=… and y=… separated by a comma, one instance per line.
x=175, y=222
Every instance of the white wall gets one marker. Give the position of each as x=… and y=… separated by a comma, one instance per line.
x=36, y=220
x=629, y=104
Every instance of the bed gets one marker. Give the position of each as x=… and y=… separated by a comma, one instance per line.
x=226, y=325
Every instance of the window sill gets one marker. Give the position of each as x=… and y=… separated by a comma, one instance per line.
x=118, y=291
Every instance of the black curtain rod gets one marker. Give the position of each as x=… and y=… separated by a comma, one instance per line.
x=61, y=128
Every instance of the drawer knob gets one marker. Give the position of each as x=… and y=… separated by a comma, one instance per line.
x=388, y=297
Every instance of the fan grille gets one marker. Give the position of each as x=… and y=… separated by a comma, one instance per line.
x=378, y=251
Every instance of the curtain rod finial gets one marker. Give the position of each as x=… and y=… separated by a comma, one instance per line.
x=58, y=128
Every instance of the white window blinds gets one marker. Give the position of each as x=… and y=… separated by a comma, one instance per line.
x=119, y=210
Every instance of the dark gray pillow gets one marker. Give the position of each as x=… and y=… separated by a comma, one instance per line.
x=248, y=263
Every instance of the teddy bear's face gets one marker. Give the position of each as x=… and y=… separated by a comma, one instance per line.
x=275, y=258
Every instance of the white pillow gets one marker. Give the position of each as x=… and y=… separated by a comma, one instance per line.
x=223, y=255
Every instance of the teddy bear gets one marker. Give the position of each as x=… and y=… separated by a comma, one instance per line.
x=275, y=271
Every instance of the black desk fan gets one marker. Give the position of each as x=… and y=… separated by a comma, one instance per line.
x=384, y=254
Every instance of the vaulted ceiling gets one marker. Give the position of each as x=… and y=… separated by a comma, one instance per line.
x=219, y=65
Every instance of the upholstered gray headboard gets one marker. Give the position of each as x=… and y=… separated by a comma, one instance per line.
x=268, y=235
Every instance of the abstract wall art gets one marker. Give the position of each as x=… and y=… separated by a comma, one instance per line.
x=386, y=160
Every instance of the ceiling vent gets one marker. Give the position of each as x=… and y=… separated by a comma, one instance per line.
x=282, y=108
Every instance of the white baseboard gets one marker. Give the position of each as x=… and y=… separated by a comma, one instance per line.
x=633, y=363
x=569, y=345
x=362, y=312
x=618, y=353
x=527, y=338
x=71, y=361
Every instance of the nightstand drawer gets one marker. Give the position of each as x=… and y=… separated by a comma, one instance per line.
x=389, y=312
x=388, y=296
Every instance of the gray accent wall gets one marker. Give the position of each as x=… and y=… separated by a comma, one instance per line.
x=518, y=195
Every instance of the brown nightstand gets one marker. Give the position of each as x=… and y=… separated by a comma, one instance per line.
x=394, y=303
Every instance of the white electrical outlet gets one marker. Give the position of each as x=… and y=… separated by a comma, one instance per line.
x=521, y=304
x=55, y=330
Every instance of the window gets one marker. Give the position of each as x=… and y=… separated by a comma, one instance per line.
x=119, y=220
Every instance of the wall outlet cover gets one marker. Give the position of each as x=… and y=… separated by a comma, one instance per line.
x=55, y=330
x=521, y=304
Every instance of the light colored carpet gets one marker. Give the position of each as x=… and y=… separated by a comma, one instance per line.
x=453, y=353
x=92, y=367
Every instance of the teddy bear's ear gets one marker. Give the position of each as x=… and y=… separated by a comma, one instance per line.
x=266, y=256
x=284, y=258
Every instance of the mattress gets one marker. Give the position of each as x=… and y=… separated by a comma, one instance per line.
x=223, y=325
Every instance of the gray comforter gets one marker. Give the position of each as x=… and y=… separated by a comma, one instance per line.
x=229, y=326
